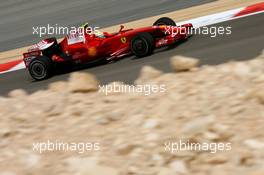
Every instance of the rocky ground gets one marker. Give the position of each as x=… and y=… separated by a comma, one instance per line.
x=207, y=104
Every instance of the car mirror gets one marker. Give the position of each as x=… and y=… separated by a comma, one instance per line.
x=121, y=28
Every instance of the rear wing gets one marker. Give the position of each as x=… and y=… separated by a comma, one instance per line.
x=28, y=56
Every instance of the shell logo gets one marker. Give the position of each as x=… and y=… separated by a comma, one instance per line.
x=92, y=51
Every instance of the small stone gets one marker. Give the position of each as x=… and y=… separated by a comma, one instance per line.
x=147, y=74
x=152, y=137
x=32, y=160
x=165, y=171
x=181, y=63
x=211, y=136
x=227, y=69
x=101, y=120
x=58, y=86
x=125, y=149
x=254, y=144
x=178, y=167
x=222, y=131
x=7, y=173
x=115, y=115
x=133, y=170
x=99, y=169
x=246, y=158
x=158, y=159
x=89, y=166
x=257, y=172
x=259, y=95
x=198, y=126
x=137, y=152
x=5, y=132
x=151, y=124
x=217, y=159
x=241, y=69
x=18, y=93
x=76, y=162
x=220, y=128
x=82, y=82
x=235, y=110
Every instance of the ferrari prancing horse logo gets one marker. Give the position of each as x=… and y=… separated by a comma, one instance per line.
x=123, y=40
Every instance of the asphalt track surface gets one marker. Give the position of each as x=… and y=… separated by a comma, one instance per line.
x=18, y=17
x=245, y=42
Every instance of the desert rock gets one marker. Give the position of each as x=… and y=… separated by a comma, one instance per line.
x=180, y=63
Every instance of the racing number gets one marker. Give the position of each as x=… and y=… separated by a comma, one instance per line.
x=123, y=40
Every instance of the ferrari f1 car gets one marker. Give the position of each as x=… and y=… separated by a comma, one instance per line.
x=43, y=58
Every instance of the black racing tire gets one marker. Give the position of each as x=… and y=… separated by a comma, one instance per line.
x=164, y=21
x=142, y=45
x=40, y=68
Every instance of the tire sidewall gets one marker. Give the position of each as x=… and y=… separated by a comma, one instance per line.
x=43, y=66
x=146, y=46
x=148, y=42
x=164, y=21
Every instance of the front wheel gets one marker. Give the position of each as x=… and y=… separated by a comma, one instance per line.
x=142, y=45
x=40, y=68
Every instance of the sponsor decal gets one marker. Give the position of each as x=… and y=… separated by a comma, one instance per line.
x=123, y=40
x=41, y=45
x=75, y=38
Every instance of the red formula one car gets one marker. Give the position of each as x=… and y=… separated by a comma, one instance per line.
x=44, y=58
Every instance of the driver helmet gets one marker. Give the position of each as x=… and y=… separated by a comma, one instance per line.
x=85, y=25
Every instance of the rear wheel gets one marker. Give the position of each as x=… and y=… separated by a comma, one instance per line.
x=164, y=21
x=40, y=68
x=142, y=44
